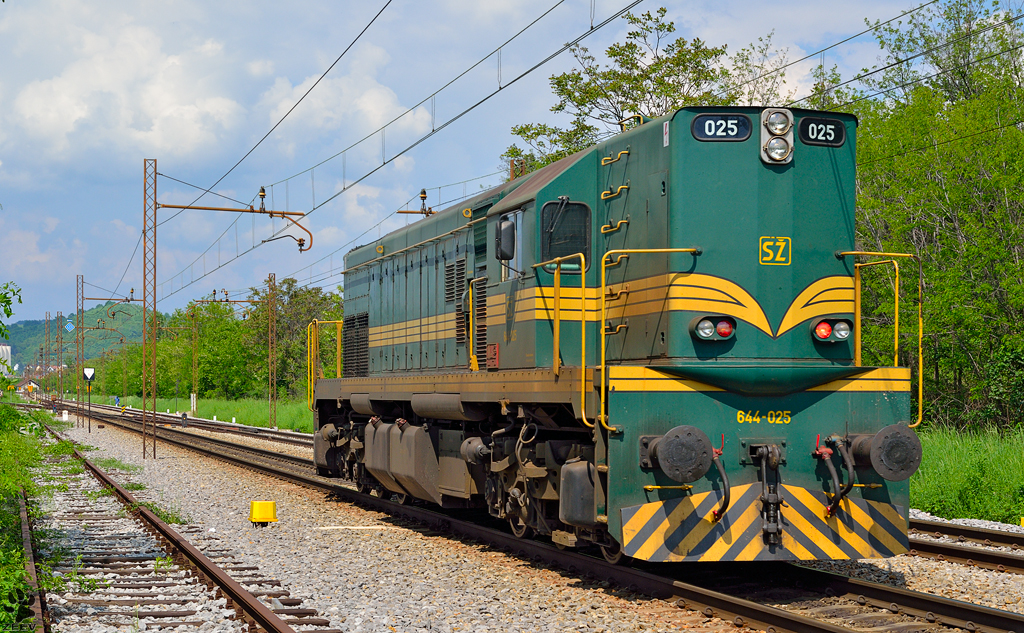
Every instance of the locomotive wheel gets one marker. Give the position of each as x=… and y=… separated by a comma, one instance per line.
x=519, y=527
x=613, y=553
x=402, y=499
x=362, y=487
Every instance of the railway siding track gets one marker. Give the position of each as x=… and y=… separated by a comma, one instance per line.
x=217, y=426
x=128, y=563
x=847, y=600
x=977, y=547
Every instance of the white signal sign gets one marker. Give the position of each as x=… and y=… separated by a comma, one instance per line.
x=89, y=373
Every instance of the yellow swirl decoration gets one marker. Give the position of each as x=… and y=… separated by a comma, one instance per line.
x=828, y=295
x=707, y=293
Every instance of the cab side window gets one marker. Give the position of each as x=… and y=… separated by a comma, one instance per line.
x=564, y=231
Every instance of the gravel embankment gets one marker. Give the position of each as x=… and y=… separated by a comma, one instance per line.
x=977, y=523
x=366, y=571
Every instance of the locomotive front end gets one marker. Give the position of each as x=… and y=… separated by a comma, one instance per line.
x=741, y=422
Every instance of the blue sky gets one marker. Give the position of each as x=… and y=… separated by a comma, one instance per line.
x=90, y=89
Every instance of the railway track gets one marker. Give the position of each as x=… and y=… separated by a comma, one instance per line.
x=977, y=547
x=274, y=435
x=129, y=567
x=797, y=599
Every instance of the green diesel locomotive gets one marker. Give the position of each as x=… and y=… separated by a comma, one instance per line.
x=651, y=346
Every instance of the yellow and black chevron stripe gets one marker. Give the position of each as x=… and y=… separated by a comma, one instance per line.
x=681, y=529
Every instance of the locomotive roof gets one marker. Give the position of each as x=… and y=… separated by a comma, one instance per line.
x=505, y=196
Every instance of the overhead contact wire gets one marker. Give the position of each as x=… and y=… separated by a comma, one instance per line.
x=433, y=132
x=290, y=110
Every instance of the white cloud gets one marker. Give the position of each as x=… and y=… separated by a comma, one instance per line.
x=260, y=68
x=127, y=230
x=356, y=101
x=28, y=257
x=121, y=88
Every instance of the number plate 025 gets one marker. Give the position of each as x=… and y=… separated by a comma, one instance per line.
x=721, y=127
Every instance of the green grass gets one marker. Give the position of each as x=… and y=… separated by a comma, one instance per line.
x=112, y=463
x=167, y=516
x=290, y=415
x=971, y=475
x=19, y=453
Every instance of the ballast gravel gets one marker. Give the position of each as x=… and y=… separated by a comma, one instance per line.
x=366, y=571
x=999, y=590
x=976, y=523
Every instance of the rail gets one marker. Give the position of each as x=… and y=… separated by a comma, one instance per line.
x=313, y=356
x=556, y=362
x=606, y=263
x=920, y=315
x=36, y=597
x=242, y=598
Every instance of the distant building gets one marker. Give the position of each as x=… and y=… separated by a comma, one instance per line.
x=6, y=368
x=27, y=386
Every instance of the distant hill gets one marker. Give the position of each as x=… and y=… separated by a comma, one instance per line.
x=28, y=336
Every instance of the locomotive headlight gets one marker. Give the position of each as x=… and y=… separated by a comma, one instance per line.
x=777, y=123
x=777, y=148
x=841, y=330
x=705, y=329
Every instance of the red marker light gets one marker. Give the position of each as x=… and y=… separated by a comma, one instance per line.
x=724, y=329
x=823, y=330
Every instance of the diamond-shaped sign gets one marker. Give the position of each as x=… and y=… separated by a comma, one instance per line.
x=69, y=326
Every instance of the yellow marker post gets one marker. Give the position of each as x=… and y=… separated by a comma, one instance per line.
x=262, y=513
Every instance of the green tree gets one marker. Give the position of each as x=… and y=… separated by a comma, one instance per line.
x=295, y=307
x=942, y=176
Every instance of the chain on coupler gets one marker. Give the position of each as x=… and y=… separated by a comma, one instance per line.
x=771, y=501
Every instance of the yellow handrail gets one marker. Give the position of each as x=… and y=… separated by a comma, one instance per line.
x=557, y=361
x=622, y=253
x=896, y=308
x=313, y=356
x=609, y=228
x=608, y=160
x=312, y=351
x=920, y=317
x=608, y=195
x=474, y=362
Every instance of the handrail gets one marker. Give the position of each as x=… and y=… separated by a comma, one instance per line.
x=313, y=356
x=312, y=351
x=461, y=227
x=556, y=362
x=622, y=253
x=608, y=160
x=474, y=362
x=896, y=308
x=920, y=317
